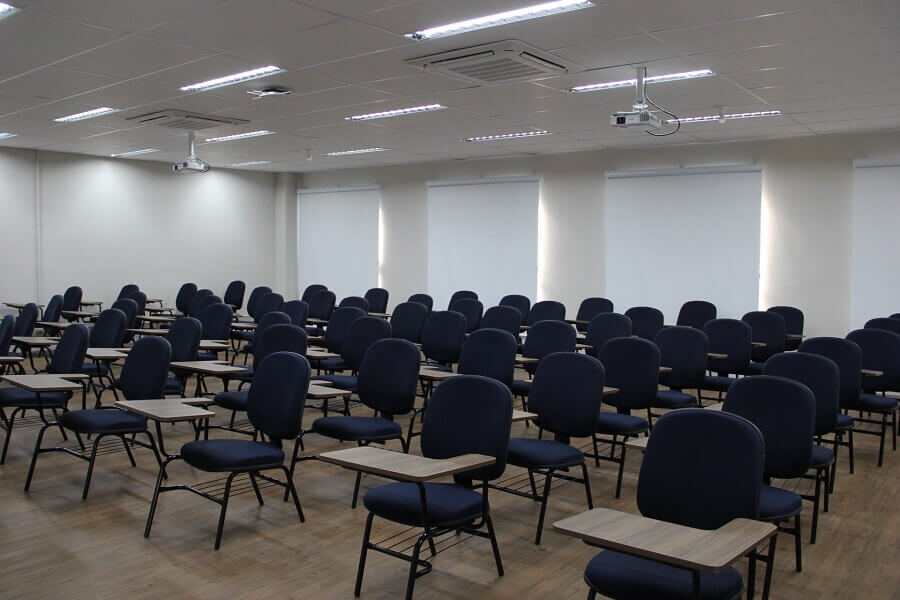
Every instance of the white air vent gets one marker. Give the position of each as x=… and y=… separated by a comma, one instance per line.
x=491, y=64
x=179, y=119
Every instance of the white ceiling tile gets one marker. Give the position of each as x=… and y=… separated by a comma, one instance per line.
x=373, y=66
x=204, y=69
x=125, y=95
x=881, y=124
x=414, y=85
x=132, y=56
x=124, y=15
x=353, y=8
x=599, y=54
x=413, y=16
x=53, y=83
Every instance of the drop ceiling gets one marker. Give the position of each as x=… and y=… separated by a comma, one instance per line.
x=828, y=65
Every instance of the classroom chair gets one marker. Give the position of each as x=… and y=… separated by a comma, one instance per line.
x=646, y=321
x=408, y=321
x=696, y=314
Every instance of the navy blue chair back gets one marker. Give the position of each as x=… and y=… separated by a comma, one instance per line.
x=322, y=305
x=279, y=338
x=216, y=321
x=408, y=321
x=389, y=376
x=730, y=337
x=675, y=487
x=566, y=394
x=489, y=353
x=52, y=311
x=378, y=300
x=140, y=298
x=127, y=289
x=604, y=327
x=355, y=301
x=339, y=326
x=108, y=330
x=547, y=337
x=590, y=308
x=848, y=358
x=276, y=399
x=443, y=337
x=26, y=320
x=507, y=318
x=793, y=321
x=785, y=412
x=684, y=349
x=270, y=319
x=7, y=323
x=459, y=295
x=423, y=299
x=201, y=303
x=234, y=294
x=183, y=298
x=546, y=310
x=886, y=323
x=632, y=366
x=255, y=294
x=310, y=291
x=519, y=302
x=880, y=352
x=696, y=314
x=69, y=354
x=184, y=338
x=820, y=374
x=297, y=310
x=146, y=369
x=472, y=310
x=646, y=321
x=129, y=308
x=270, y=302
x=360, y=336
x=895, y=316
x=769, y=328
x=72, y=298
x=469, y=414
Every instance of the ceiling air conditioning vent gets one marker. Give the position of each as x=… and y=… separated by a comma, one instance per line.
x=492, y=64
x=179, y=119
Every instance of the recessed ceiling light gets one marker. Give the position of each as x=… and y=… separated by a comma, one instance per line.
x=232, y=79
x=396, y=112
x=506, y=136
x=593, y=87
x=88, y=114
x=4, y=136
x=250, y=163
x=356, y=151
x=134, y=153
x=746, y=115
x=510, y=16
x=6, y=9
x=238, y=136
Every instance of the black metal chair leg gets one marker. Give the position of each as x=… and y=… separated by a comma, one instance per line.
x=9, y=427
x=290, y=472
x=621, y=468
x=850, y=442
x=413, y=567
x=62, y=430
x=128, y=450
x=34, y=455
x=596, y=451
x=751, y=575
x=259, y=497
x=798, y=548
x=362, y=554
x=356, y=489
x=90, y=471
x=533, y=486
x=224, y=509
x=770, y=562
x=495, y=547
x=883, y=435
x=544, y=496
x=153, y=503
x=293, y=491
x=814, y=527
x=587, y=486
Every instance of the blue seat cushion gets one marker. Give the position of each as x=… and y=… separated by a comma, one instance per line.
x=520, y=387
x=615, y=423
x=776, y=504
x=232, y=400
x=821, y=456
x=207, y=356
x=231, y=455
x=173, y=386
x=448, y=503
x=874, y=403
x=844, y=422
x=437, y=367
x=755, y=368
x=356, y=428
x=332, y=364
x=530, y=453
x=345, y=382
x=243, y=376
x=718, y=383
x=103, y=420
x=626, y=577
x=19, y=397
x=94, y=369
x=674, y=399
x=242, y=335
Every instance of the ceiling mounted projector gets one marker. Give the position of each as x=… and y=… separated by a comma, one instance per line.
x=639, y=117
x=191, y=164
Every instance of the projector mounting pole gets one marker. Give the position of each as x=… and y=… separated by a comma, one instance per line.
x=191, y=149
x=640, y=101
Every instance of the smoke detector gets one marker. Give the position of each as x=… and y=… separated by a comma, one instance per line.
x=273, y=90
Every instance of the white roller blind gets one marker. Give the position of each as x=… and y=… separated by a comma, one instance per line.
x=482, y=237
x=337, y=239
x=673, y=238
x=875, y=287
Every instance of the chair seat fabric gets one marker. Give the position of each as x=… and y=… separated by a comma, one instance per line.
x=332, y=364
x=356, y=428
x=94, y=369
x=520, y=387
x=207, y=356
x=20, y=397
x=615, y=423
x=821, y=456
x=448, y=503
x=756, y=368
x=874, y=403
x=231, y=455
x=626, y=577
x=776, y=504
x=718, y=383
x=173, y=386
x=345, y=382
x=243, y=376
x=102, y=420
x=232, y=400
x=674, y=399
x=242, y=335
x=844, y=422
x=530, y=453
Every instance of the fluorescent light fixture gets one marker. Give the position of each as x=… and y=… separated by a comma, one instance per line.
x=250, y=163
x=134, y=153
x=4, y=135
x=88, y=114
x=356, y=151
x=396, y=112
x=526, y=13
x=6, y=9
x=232, y=79
x=593, y=87
x=506, y=136
x=239, y=136
x=746, y=115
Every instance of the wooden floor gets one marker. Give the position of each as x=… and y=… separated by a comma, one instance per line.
x=54, y=545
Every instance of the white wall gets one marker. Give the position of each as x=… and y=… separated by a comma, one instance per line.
x=807, y=205
x=108, y=222
x=18, y=277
